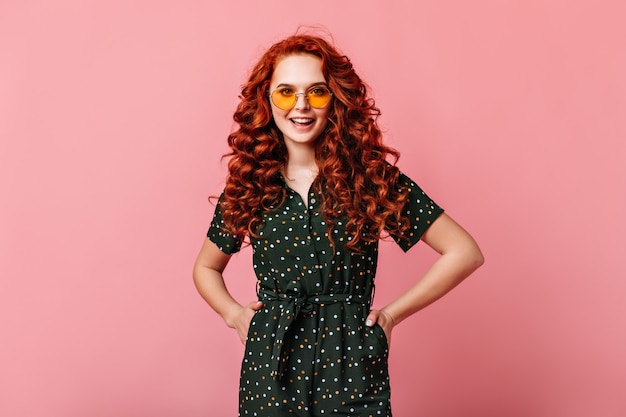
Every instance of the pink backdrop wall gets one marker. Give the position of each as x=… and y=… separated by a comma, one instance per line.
x=113, y=116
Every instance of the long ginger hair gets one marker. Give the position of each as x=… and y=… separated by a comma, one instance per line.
x=356, y=181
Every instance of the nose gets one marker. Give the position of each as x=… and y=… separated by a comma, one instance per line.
x=301, y=101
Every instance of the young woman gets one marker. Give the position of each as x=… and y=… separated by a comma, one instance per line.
x=312, y=187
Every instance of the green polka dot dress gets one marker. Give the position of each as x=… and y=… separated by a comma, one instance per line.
x=308, y=352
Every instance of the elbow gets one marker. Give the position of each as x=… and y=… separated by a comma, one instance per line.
x=477, y=259
x=471, y=257
x=467, y=259
x=196, y=275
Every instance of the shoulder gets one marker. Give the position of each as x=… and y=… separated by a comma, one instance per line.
x=403, y=181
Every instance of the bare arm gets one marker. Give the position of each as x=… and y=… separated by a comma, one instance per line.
x=460, y=256
x=207, y=276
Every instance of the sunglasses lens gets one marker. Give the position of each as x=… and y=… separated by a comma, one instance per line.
x=284, y=98
x=318, y=97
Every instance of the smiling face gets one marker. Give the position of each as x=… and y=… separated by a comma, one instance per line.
x=303, y=123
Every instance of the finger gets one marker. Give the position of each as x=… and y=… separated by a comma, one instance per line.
x=372, y=318
x=243, y=334
x=254, y=305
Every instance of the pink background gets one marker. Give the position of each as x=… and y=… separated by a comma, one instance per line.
x=113, y=116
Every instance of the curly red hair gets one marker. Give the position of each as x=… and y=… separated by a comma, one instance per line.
x=358, y=182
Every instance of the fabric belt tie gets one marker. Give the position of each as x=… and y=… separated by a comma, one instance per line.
x=291, y=309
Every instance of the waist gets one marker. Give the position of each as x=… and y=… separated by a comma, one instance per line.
x=314, y=299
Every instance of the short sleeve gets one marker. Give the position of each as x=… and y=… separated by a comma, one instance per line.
x=225, y=241
x=419, y=209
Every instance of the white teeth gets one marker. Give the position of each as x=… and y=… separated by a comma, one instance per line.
x=297, y=120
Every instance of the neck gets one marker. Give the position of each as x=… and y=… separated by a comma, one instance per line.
x=300, y=168
x=300, y=156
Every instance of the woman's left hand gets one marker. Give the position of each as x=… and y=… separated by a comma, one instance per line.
x=384, y=320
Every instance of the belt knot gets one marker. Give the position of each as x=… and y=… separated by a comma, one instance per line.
x=291, y=309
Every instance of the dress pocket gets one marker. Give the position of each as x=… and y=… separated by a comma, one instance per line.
x=381, y=337
x=257, y=344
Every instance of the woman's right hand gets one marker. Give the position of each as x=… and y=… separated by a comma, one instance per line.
x=241, y=319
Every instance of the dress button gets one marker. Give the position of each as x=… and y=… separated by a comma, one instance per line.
x=312, y=201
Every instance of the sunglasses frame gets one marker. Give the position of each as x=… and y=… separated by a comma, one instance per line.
x=305, y=94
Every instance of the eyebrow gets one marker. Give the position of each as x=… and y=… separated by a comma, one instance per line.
x=311, y=85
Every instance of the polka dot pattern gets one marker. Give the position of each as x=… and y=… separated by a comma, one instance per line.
x=308, y=351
